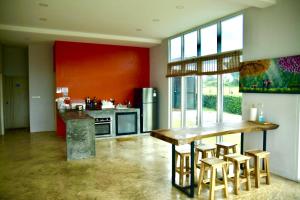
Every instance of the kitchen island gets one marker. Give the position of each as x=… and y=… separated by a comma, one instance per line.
x=79, y=134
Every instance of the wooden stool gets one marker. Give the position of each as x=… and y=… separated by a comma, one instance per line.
x=237, y=160
x=213, y=164
x=205, y=150
x=184, y=165
x=259, y=155
x=226, y=146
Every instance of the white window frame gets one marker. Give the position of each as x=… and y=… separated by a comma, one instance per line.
x=199, y=86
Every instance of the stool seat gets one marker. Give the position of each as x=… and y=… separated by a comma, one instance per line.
x=226, y=144
x=205, y=147
x=183, y=149
x=226, y=147
x=257, y=152
x=213, y=161
x=237, y=157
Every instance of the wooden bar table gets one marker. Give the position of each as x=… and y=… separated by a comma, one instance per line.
x=190, y=135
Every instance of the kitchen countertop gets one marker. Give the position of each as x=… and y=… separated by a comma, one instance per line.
x=88, y=114
x=74, y=115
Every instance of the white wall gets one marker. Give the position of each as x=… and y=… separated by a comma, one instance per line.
x=41, y=88
x=158, y=71
x=268, y=33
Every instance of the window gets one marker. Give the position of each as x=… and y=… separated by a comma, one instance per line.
x=176, y=93
x=190, y=44
x=176, y=102
x=200, y=100
x=175, y=49
x=232, y=34
x=209, y=40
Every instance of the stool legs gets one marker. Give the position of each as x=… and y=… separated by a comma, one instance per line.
x=218, y=152
x=225, y=181
x=257, y=171
x=201, y=177
x=267, y=168
x=247, y=175
x=236, y=178
x=181, y=170
x=212, y=183
x=195, y=163
x=187, y=164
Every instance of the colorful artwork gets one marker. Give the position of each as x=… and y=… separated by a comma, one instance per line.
x=277, y=75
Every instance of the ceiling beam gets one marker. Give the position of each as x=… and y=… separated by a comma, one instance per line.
x=84, y=35
x=256, y=3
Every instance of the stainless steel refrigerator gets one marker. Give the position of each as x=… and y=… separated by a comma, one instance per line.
x=147, y=100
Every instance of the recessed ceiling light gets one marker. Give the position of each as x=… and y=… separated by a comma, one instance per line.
x=138, y=29
x=180, y=7
x=43, y=19
x=156, y=20
x=43, y=4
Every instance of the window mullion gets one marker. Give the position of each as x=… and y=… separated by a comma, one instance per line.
x=199, y=103
x=170, y=105
x=183, y=102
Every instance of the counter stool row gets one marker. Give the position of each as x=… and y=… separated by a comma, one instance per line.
x=211, y=161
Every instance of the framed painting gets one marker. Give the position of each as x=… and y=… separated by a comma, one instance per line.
x=277, y=75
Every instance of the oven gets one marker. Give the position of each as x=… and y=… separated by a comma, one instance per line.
x=103, y=126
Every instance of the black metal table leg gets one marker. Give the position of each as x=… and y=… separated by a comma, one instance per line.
x=242, y=143
x=264, y=146
x=242, y=148
x=173, y=164
x=265, y=140
x=188, y=190
x=192, y=186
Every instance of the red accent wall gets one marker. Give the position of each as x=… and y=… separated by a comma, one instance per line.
x=61, y=127
x=104, y=71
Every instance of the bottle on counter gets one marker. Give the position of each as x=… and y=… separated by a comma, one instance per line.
x=95, y=103
x=261, y=117
x=88, y=102
x=129, y=104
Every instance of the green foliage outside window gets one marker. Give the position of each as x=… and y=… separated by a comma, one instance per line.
x=232, y=104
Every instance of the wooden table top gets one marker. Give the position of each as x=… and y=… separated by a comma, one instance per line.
x=187, y=135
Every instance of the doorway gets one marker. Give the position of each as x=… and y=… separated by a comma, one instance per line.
x=15, y=87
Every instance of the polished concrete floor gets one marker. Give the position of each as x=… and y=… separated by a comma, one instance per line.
x=34, y=166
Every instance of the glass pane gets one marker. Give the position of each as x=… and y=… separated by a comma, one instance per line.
x=176, y=103
x=175, y=49
x=209, y=40
x=191, y=101
x=209, y=99
x=190, y=44
x=232, y=103
x=232, y=34
x=232, y=99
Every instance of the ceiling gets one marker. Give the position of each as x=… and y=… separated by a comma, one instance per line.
x=124, y=22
